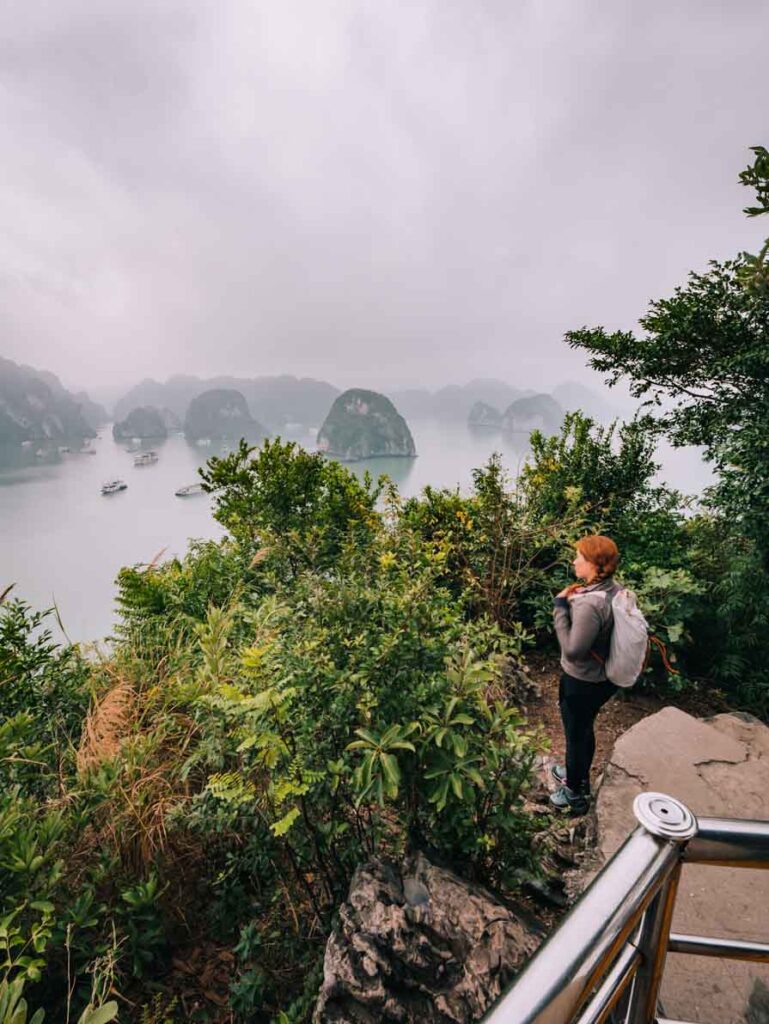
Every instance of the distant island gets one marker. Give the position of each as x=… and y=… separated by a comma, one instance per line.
x=221, y=414
x=535, y=412
x=364, y=424
x=484, y=415
x=285, y=404
x=275, y=402
x=145, y=423
x=35, y=406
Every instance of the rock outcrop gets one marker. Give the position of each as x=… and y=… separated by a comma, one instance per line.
x=146, y=423
x=536, y=412
x=418, y=944
x=362, y=425
x=34, y=406
x=221, y=414
x=720, y=767
x=485, y=416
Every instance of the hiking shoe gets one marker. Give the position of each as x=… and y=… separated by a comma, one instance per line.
x=558, y=771
x=566, y=799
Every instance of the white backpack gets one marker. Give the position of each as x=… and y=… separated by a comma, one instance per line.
x=629, y=645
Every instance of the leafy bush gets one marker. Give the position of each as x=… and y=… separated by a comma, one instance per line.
x=492, y=553
x=286, y=493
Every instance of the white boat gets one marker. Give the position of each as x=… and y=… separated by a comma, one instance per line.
x=113, y=486
x=64, y=449
x=145, y=459
x=189, y=490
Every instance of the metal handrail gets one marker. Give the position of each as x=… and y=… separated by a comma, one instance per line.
x=617, y=935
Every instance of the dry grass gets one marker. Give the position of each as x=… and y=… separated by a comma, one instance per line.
x=106, y=726
x=147, y=749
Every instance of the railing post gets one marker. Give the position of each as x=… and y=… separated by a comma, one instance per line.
x=671, y=820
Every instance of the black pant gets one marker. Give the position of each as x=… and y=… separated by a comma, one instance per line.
x=580, y=702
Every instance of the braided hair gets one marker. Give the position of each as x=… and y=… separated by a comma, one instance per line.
x=602, y=553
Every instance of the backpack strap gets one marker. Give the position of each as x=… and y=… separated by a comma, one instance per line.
x=663, y=652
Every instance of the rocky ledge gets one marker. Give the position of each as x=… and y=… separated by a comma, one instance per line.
x=416, y=943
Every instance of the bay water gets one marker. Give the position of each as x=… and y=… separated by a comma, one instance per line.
x=62, y=542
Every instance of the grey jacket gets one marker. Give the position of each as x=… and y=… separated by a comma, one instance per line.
x=583, y=623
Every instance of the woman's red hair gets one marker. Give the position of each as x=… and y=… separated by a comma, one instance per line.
x=601, y=552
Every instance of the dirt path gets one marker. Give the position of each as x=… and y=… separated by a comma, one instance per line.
x=615, y=718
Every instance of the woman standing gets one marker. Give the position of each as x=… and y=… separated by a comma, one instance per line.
x=583, y=624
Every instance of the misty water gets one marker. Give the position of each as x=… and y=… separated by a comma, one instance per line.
x=63, y=542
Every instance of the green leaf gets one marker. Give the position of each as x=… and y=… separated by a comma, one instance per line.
x=392, y=774
x=103, y=1015
x=462, y=719
x=281, y=827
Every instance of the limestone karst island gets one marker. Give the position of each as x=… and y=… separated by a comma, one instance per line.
x=363, y=425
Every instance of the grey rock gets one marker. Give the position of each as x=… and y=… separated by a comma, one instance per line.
x=417, y=943
x=716, y=767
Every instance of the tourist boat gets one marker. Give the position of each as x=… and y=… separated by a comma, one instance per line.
x=189, y=490
x=113, y=486
x=145, y=459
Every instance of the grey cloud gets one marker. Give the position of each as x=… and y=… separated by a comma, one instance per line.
x=361, y=191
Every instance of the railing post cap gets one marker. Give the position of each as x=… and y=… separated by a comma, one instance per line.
x=664, y=816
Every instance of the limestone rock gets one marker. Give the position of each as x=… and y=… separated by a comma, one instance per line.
x=146, y=422
x=34, y=406
x=535, y=412
x=221, y=414
x=362, y=425
x=419, y=944
x=718, y=767
x=484, y=415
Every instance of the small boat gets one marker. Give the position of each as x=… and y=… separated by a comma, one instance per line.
x=189, y=490
x=64, y=449
x=145, y=459
x=27, y=444
x=113, y=486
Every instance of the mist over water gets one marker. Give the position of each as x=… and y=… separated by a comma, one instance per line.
x=63, y=541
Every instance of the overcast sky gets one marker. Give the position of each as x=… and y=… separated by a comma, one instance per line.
x=359, y=190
